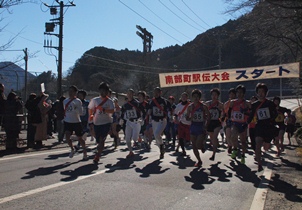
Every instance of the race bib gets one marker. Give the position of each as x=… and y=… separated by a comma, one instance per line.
x=197, y=116
x=237, y=116
x=214, y=114
x=263, y=113
x=280, y=118
x=131, y=114
x=157, y=112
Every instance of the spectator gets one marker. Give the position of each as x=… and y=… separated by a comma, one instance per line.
x=34, y=118
x=2, y=103
x=41, y=132
x=59, y=114
x=11, y=121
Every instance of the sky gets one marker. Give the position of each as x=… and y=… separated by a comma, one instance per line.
x=107, y=23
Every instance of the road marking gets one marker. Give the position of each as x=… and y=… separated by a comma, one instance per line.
x=261, y=192
x=40, y=153
x=32, y=155
x=42, y=189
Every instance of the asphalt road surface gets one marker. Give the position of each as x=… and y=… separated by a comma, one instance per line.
x=52, y=180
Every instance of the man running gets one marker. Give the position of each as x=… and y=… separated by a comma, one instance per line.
x=159, y=109
x=280, y=120
x=237, y=112
x=131, y=112
x=265, y=130
x=199, y=116
x=228, y=121
x=216, y=110
x=100, y=111
x=72, y=120
x=180, y=114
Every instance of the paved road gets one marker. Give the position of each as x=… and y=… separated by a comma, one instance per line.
x=51, y=180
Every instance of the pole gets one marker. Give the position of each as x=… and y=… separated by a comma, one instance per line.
x=219, y=61
x=26, y=70
x=60, y=51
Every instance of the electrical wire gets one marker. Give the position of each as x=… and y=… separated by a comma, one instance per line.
x=195, y=13
x=150, y=22
x=163, y=20
x=179, y=16
x=186, y=15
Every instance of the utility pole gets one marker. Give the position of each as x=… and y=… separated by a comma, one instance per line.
x=50, y=28
x=26, y=70
x=147, y=41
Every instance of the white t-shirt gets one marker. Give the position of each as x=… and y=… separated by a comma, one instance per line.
x=73, y=111
x=101, y=118
x=182, y=117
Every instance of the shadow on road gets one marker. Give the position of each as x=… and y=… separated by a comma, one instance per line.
x=124, y=163
x=244, y=173
x=182, y=161
x=291, y=193
x=46, y=171
x=151, y=168
x=199, y=178
x=81, y=171
x=222, y=174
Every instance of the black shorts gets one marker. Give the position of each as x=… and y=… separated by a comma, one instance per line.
x=267, y=132
x=74, y=127
x=290, y=128
x=213, y=125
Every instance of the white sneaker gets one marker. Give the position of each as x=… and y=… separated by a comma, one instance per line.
x=71, y=154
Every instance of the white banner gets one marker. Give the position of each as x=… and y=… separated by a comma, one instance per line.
x=291, y=70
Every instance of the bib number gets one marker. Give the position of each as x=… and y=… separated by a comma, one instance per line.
x=157, y=112
x=214, y=114
x=263, y=114
x=131, y=114
x=237, y=116
x=197, y=117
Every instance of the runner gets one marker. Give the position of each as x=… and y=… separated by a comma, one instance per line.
x=100, y=111
x=237, y=113
x=228, y=121
x=252, y=125
x=280, y=120
x=132, y=113
x=217, y=112
x=199, y=116
x=180, y=114
x=290, y=125
x=72, y=122
x=159, y=109
x=170, y=128
x=265, y=130
x=116, y=127
x=143, y=106
x=84, y=117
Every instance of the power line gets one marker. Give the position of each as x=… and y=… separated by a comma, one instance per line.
x=179, y=16
x=195, y=13
x=150, y=22
x=186, y=15
x=164, y=20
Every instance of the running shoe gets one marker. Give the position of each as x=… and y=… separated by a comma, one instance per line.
x=242, y=160
x=234, y=154
x=76, y=148
x=96, y=159
x=71, y=154
x=131, y=154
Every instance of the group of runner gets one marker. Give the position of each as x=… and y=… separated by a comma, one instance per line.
x=147, y=119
